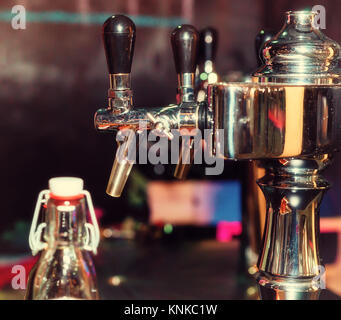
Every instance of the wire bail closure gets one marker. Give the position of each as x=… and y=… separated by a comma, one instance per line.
x=92, y=230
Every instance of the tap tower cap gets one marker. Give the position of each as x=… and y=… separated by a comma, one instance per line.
x=300, y=53
x=66, y=186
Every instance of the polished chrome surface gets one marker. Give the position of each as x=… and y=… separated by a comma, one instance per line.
x=120, y=81
x=186, y=87
x=106, y=120
x=120, y=96
x=188, y=116
x=268, y=293
x=121, y=168
x=300, y=53
x=291, y=236
x=188, y=120
x=162, y=120
x=186, y=80
x=264, y=121
x=290, y=117
x=289, y=260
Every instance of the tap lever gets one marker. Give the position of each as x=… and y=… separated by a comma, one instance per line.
x=185, y=39
x=160, y=126
x=185, y=42
x=119, y=39
x=118, y=34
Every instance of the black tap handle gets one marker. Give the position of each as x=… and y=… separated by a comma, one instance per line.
x=262, y=37
x=185, y=40
x=119, y=40
x=208, y=43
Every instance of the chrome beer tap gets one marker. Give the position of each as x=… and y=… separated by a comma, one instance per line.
x=205, y=74
x=185, y=49
x=120, y=115
x=289, y=117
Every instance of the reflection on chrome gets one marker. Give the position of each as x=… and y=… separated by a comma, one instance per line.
x=276, y=121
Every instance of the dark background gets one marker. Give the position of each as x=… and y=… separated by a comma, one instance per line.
x=53, y=78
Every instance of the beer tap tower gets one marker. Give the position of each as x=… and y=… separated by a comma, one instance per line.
x=288, y=117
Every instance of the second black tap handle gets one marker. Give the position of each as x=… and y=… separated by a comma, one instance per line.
x=185, y=41
x=208, y=44
x=119, y=40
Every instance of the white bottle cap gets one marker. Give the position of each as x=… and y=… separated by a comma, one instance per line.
x=66, y=186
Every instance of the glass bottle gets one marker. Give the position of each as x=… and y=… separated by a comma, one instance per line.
x=65, y=269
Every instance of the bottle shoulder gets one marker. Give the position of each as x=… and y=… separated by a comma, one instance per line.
x=65, y=273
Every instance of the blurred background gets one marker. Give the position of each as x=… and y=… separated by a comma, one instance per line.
x=54, y=77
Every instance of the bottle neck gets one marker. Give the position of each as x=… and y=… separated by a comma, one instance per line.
x=65, y=219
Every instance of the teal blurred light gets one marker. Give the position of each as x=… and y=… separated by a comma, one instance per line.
x=91, y=18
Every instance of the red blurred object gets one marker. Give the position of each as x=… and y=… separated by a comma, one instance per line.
x=6, y=274
x=277, y=119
